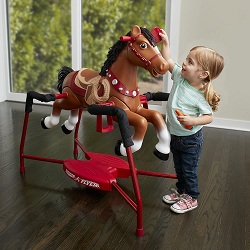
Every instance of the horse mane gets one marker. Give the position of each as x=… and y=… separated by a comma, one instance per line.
x=115, y=50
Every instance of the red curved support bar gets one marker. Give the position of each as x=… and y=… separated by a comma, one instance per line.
x=99, y=126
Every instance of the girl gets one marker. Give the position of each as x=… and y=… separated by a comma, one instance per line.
x=192, y=94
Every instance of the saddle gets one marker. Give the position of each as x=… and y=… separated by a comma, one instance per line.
x=94, y=90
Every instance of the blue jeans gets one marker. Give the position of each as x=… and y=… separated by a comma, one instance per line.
x=186, y=152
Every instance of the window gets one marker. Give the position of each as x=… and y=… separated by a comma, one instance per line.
x=45, y=35
x=40, y=40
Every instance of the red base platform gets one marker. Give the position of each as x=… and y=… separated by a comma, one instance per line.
x=99, y=172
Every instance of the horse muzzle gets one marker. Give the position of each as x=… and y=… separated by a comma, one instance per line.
x=158, y=69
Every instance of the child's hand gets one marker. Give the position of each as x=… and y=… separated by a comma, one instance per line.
x=164, y=36
x=185, y=120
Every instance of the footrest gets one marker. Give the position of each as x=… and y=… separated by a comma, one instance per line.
x=99, y=172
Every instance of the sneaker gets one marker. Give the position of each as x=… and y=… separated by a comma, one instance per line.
x=185, y=204
x=172, y=198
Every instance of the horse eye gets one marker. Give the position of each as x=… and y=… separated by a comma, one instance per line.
x=143, y=45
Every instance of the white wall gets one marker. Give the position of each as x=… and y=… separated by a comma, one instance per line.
x=224, y=26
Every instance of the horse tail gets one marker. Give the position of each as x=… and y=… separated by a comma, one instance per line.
x=63, y=72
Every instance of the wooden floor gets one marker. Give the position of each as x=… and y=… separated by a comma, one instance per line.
x=44, y=209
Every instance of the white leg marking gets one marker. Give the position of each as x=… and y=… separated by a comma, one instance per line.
x=163, y=145
x=51, y=121
x=134, y=148
x=71, y=122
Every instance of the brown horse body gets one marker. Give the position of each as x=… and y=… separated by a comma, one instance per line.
x=119, y=85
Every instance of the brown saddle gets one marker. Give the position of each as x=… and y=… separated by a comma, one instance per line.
x=91, y=85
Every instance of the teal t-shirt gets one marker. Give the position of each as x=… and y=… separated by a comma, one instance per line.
x=186, y=99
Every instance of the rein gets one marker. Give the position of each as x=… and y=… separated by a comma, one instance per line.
x=131, y=40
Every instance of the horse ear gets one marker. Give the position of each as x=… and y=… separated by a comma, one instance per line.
x=135, y=31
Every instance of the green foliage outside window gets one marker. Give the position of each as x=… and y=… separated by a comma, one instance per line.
x=40, y=35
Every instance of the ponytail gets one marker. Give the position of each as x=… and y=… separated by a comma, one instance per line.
x=210, y=61
x=211, y=96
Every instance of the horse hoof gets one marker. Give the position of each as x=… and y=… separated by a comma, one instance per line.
x=117, y=148
x=65, y=130
x=161, y=156
x=43, y=123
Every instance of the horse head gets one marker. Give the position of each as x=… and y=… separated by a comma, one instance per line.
x=142, y=51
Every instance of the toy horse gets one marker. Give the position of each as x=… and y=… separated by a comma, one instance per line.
x=117, y=83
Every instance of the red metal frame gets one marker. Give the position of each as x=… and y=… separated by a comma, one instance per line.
x=137, y=205
x=99, y=125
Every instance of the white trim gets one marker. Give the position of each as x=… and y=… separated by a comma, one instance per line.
x=9, y=95
x=4, y=69
x=230, y=124
x=173, y=9
x=76, y=33
x=16, y=97
x=173, y=30
x=172, y=26
x=160, y=108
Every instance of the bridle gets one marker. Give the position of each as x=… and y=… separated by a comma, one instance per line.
x=116, y=83
x=131, y=41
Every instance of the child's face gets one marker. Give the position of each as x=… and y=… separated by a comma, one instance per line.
x=190, y=68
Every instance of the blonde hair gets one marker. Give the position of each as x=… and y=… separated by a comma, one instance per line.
x=213, y=63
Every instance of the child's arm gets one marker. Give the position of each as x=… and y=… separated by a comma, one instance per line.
x=165, y=50
x=187, y=120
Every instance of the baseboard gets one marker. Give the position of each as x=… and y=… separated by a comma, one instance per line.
x=230, y=124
